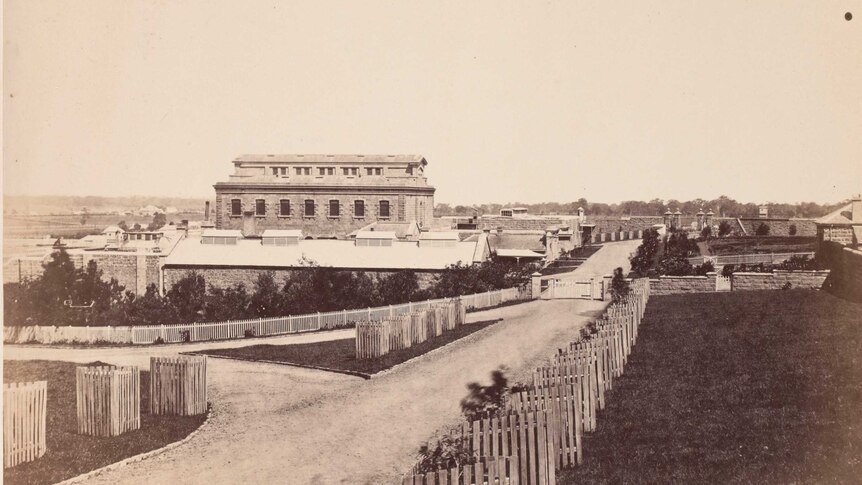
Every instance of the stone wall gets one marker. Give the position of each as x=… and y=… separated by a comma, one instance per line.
x=402, y=208
x=133, y=271
x=777, y=226
x=779, y=279
x=608, y=224
x=669, y=285
x=228, y=277
x=524, y=223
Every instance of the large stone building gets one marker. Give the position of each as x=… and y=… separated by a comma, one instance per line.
x=844, y=225
x=324, y=195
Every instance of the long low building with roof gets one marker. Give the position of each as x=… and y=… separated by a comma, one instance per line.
x=226, y=258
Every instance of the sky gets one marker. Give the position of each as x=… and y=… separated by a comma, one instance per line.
x=507, y=100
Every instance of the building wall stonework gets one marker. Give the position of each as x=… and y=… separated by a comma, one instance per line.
x=134, y=271
x=777, y=280
x=777, y=226
x=402, y=208
x=229, y=277
x=669, y=285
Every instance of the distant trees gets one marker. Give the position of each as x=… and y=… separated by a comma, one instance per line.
x=159, y=220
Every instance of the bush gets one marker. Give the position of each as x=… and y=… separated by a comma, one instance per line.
x=486, y=400
x=619, y=286
x=447, y=452
x=703, y=269
x=762, y=229
x=727, y=270
x=724, y=228
x=248, y=333
x=792, y=230
x=706, y=232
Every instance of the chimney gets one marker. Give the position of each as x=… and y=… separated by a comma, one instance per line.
x=249, y=224
x=581, y=214
x=207, y=211
x=764, y=212
x=856, y=209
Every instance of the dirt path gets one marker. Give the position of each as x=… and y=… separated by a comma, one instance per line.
x=605, y=260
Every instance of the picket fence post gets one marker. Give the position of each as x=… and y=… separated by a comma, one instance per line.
x=318, y=321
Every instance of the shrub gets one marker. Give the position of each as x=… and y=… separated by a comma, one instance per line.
x=447, y=452
x=727, y=270
x=792, y=230
x=706, y=232
x=619, y=286
x=762, y=229
x=675, y=265
x=158, y=341
x=248, y=333
x=724, y=228
x=703, y=269
x=486, y=400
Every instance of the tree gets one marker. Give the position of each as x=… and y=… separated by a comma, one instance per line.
x=228, y=303
x=724, y=228
x=266, y=299
x=149, y=309
x=643, y=259
x=123, y=225
x=706, y=232
x=762, y=229
x=159, y=220
x=398, y=287
x=90, y=289
x=188, y=297
x=792, y=230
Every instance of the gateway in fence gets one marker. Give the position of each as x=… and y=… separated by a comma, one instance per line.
x=592, y=289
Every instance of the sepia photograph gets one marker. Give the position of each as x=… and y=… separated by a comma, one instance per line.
x=510, y=242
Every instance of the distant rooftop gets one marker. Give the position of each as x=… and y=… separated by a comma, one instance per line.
x=328, y=159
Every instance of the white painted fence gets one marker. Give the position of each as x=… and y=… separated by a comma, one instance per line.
x=24, y=418
x=258, y=327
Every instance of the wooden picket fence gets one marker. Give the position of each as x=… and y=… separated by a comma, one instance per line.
x=178, y=385
x=109, y=400
x=488, y=470
x=541, y=428
x=24, y=418
x=375, y=339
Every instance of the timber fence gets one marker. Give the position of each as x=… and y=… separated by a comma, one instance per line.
x=375, y=339
x=255, y=327
x=540, y=429
x=24, y=419
x=178, y=385
x=109, y=400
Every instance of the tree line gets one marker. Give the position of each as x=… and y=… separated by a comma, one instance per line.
x=722, y=206
x=66, y=295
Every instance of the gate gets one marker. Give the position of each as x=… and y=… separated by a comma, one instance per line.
x=722, y=283
x=592, y=289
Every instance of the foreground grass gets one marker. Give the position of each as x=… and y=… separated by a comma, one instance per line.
x=747, y=387
x=70, y=454
x=340, y=355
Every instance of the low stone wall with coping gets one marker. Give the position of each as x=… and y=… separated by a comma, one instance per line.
x=670, y=285
x=777, y=280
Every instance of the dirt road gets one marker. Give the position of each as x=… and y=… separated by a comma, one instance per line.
x=280, y=424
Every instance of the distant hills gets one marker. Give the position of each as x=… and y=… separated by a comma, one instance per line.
x=62, y=204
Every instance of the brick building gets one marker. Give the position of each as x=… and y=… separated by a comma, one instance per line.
x=324, y=195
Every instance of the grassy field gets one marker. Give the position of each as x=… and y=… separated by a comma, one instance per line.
x=747, y=387
x=70, y=454
x=70, y=225
x=340, y=355
x=761, y=244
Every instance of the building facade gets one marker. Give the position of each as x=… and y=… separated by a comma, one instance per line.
x=324, y=195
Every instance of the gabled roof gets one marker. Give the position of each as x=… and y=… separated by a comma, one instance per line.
x=222, y=233
x=439, y=236
x=317, y=158
x=375, y=235
x=843, y=215
x=282, y=233
x=518, y=253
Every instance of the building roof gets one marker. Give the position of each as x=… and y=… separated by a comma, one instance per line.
x=842, y=215
x=282, y=233
x=518, y=253
x=375, y=235
x=328, y=253
x=222, y=233
x=339, y=159
x=112, y=230
x=532, y=241
x=401, y=229
x=439, y=236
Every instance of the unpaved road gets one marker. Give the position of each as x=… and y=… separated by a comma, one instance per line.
x=281, y=424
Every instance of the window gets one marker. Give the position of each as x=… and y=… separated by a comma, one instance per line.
x=260, y=207
x=374, y=171
x=283, y=171
x=409, y=170
x=284, y=207
x=309, y=208
x=350, y=171
x=298, y=170
x=235, y=207
x=275, y=170
x=326, y=171
x=334, y=209
x=321, y=170
x=384, y=208
x=303, y=170
x=358, y=208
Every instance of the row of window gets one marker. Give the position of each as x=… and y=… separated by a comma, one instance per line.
x=283, y=171
x=309, y=207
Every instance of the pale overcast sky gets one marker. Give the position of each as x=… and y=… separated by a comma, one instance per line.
x=508, y=101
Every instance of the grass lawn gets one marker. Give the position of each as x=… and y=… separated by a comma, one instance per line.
x=70, y=454
x=339, y=355
x=742, y=387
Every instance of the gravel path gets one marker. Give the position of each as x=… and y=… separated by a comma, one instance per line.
x=281, y=424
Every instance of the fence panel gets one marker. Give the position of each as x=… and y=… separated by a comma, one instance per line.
x=108, y=400
x=178, y=385
x=489, y=470
x=24, y=418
